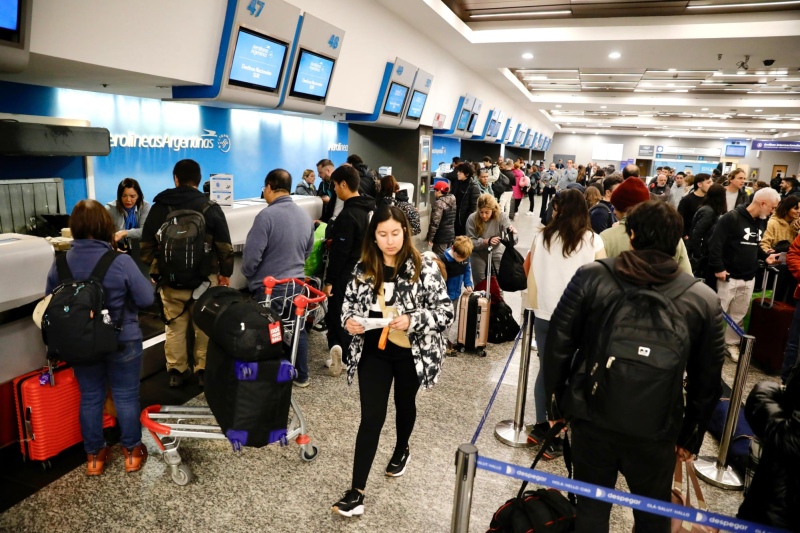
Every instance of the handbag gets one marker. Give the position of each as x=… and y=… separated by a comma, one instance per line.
x=512, y=276
x=541, y=510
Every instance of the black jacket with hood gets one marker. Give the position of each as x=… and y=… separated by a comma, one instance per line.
x=367, y=185
x=734, y=245
x=346, y=234
x=576, y=325
x=441, y=229
x=466, y=193
x=186, y=197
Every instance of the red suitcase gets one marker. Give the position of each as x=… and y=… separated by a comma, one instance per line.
x=48, y=414
x=769, y=324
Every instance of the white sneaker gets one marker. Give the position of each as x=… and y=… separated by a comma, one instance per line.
x=733, y=351
x=328, y=362
x=534, y=346
x=335, y=369
x=529, y=214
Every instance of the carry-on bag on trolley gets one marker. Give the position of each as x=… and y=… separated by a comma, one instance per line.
x=769, y=324
x=48, y=412
x=249, y=398
x=473, y=316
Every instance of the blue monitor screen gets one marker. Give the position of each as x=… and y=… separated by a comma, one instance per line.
x=735, y=150
x=396, y=99
x=312, y=76
x=473, y=120
x=416, y=105
x=257, y=61
x=9, y=11
x=463, y=119
x=491, y=128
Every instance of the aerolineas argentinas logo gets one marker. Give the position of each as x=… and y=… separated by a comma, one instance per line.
x=207, y=141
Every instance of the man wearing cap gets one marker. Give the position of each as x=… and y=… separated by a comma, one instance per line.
x=789, y=187
x=441, y=230
x=630, y=193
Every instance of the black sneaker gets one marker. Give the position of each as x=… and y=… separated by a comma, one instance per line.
x=554, y=450
x=201, y=378
x=538, y=433
x=397, y=466
x=176, y=378
x=352, y=503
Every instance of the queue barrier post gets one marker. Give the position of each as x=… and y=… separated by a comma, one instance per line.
x=466, y=464
x=715, y=470
x=515, y=432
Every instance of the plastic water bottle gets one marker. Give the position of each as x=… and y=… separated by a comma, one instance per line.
x=106, y=317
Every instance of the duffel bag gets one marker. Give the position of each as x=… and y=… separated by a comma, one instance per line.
x=244, y=329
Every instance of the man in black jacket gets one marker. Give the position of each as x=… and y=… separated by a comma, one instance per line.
x=466, y=191
x=177, y=302
x=789, y=187
x=733, y=254
x=345, y=236
x=601, y=447
x=366, y=186
x=441, y=230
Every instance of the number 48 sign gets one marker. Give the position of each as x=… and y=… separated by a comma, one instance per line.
x=333, y=42
x=255, y=7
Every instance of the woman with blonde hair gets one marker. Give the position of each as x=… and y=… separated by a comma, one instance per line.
x=306, y=185
x=592, y=196
x=485, y=227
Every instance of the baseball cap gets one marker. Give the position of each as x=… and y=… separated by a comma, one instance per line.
x=441, y=186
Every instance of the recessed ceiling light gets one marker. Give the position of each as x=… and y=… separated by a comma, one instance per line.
x=569, y=123
x=573, y=133
x=672, y=69
x=718, y=6
x=617, y=55
x=759, y=110
x=603, y=106
x=558, y=105
x=523, y=14
x=597, y=133
x=704, y=109
x=527, y=55
x=646, y=134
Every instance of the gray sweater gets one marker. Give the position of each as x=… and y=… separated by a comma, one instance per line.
x=119, y=218
x=278, y=244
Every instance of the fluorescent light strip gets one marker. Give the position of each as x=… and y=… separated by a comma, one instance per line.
x=722, y=6
x=615, y=74
x=524, y=14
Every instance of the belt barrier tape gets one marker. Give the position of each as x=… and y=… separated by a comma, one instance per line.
x=625, y=499
x=497, y=388
x=738, y=330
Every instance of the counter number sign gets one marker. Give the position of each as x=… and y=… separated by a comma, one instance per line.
x=333, y=42
x=255, y=7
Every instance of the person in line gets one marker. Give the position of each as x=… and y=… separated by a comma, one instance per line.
x=367, y=185
x=441, y=229
x=128, y=212
x=550, y=179
x=690, y=203
x=126, y=291
x=452, y=176
x=459, y=277
x=580, y=319
x=492, y=169
x=789, y=187
x=629, y=194
x=632, y=171
x=519, y=189
x=330, y=207
x=736, y=195
x=790, y=354
x=345, y=235
x=306, y=185
x=177, y=302
x=485, y=227
x=533, y=189
x=484, y=187
x=392, y=280
x=678, y=190
x=466, y=192
x=602, y=214
x=564, y=245
x=782, y=227
x=702, y=228
x=581, y=175
x=659, y=189
x=733, y=255
x=560, y=164
x=277, y=245
x=503, y=188
x=592, y=196
x=568, y=175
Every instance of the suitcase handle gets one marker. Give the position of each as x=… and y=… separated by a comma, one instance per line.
x=29, y=436
x=767, y=270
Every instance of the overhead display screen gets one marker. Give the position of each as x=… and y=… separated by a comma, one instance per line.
x=735, y=150
x=417, y=104
x=473, y=121
x=9, y=15
x=312, y=76
x=492, y=127
x=395, y=100
x=257, y=61
x=462, y=120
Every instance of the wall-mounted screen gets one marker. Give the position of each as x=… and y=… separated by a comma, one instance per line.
x=490, y=131
x=417, y=104
x=735, y=150
x=396, y=99
x=312, y=76
x=9, y=15
x=257, y=61
x=473, y=121
x=463, y=119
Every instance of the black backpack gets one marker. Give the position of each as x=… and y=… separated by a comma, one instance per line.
x=501, y=184
x=512, y=276
x=642, y=354
x=184, y=256
x=76, y=326
x=611, y=217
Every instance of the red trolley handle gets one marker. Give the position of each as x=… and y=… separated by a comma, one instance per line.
x=300, y=301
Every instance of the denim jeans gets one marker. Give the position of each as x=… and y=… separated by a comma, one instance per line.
x=301, y=361
x=792, y=346
x=120, y=371
x=540, y=330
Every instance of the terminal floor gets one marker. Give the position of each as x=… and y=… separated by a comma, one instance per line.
x=272, y=489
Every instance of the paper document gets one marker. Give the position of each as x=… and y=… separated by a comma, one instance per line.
x=372, y=323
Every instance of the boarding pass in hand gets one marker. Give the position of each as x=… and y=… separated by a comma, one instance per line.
x=372, y=323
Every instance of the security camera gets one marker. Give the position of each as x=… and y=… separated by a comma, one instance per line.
x=769, y=62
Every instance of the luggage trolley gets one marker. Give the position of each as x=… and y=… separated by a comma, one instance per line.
x=167, y=423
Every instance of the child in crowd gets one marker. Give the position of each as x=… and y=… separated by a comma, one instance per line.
x=456, y=262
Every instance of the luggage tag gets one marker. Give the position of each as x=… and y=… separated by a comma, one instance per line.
x=275, y=335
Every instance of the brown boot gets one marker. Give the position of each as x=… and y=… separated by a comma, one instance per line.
x=135, y=458
x=96, y=462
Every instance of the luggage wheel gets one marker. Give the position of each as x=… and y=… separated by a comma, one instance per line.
x=482, y=353
x=181, y=474
x=309, y=456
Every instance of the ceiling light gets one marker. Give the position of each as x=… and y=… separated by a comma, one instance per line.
x=569, y=123
x=527, y=55
x=603, y=106
x=523, y=14
x=704, y=109
x=597, y=133
x=672, y=69
x=759, y=110
x=573, y=133
x=617, y=55
x=646, y=134
x=558, y=105
x=533, y=78
x=723, y=6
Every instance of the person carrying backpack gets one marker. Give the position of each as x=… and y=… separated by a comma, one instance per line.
x=187, y=244
x=119, y=293
x=620, y=339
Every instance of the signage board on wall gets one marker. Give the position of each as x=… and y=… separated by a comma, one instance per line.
x=222, y=189
x=438, y=121
x=646, y=150
x=688, y=150
x=776, y=146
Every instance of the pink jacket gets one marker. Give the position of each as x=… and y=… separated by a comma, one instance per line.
x=522, y=181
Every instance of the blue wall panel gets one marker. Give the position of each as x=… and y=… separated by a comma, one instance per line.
x=444, y=149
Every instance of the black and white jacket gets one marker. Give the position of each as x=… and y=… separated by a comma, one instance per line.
x=427, y=304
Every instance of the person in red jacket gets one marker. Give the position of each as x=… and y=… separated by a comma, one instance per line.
x=793, y=342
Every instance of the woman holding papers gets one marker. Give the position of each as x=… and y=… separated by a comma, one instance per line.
x=402, y=300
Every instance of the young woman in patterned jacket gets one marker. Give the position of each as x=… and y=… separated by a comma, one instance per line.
x=391, y=281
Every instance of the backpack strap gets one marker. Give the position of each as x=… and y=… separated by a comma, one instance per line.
x=64, y=273
x=103, y=265
x=551, y=435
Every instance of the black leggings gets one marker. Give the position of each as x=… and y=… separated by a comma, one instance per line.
x=375, y=376
x=532, y=194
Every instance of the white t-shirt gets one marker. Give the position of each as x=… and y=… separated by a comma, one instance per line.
x=730, y=199
x=553, y=272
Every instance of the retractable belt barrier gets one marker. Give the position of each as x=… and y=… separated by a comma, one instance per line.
x=734, y=326
x=625, y=499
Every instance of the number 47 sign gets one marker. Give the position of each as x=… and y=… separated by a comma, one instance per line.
x=255, y=7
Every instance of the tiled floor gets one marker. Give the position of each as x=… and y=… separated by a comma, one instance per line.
x=271, y=489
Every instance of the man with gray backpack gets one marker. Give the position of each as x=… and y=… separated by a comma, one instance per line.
x=187, y=243
x=621, y=337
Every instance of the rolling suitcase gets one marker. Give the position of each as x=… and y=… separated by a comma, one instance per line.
x=48, y=412
x=769, y=324
x=473, y=317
